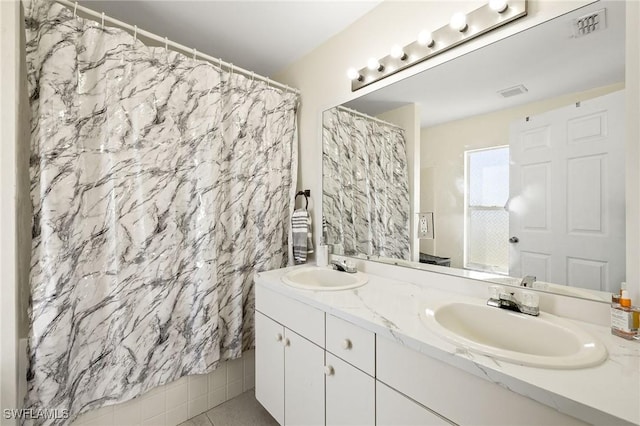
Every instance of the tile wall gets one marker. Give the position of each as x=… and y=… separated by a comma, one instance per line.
x=172, y=404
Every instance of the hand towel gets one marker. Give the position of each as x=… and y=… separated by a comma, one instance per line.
x=302, y=239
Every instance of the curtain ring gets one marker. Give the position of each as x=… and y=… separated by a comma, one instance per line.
x=194, y=53
x=253, y=75
x=135, y=33
x=103, y=20
x=231, y=70
x=166, y=44
x=220, y=63
x=75, y=8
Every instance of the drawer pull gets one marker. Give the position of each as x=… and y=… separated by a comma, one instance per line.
x=279, y=337
x=346, y=344
x=328, y=370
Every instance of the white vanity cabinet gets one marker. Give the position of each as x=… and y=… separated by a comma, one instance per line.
x=289, y=374
x=296, y=380
x=289, y=359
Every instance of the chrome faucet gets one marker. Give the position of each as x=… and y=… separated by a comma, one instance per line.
x=525, y=303
x=344, y=266
x=527, y=281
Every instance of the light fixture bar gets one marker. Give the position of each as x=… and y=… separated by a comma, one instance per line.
x=479, y=21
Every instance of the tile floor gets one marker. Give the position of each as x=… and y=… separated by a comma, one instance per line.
x=243, y=410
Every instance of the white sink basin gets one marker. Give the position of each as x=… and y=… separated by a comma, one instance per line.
x=326, y=279
x=545, y=341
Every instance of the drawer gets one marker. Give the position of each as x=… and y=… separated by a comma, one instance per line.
x=351, y=343
x=296, y=316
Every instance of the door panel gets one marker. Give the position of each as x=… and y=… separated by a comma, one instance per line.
x=270, y=366
x=303, y=381
x=350, y=394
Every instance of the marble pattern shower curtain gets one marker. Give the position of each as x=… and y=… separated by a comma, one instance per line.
x=160, y=184
x=365, y=199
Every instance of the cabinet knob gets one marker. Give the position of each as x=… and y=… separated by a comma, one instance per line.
x=328, y=370
x=286, y=342
x=279, y=337
x=346, y=344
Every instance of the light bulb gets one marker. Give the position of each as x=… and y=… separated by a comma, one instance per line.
x=374, y=65
x=498, y=5
x=425, y=38
x=459, y=22
x=398, y=53
x=353, y=74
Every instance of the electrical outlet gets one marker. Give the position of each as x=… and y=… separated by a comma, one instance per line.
x=425, y=225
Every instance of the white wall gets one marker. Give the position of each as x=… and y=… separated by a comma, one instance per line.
x=408, y=117
x=15, y=213
x=443, y=148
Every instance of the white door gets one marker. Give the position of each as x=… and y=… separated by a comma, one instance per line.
x=567, y=205
x=350, y=394
x=270, y=366
x=303, y=381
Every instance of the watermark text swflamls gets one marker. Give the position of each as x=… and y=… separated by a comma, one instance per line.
x=31, y=414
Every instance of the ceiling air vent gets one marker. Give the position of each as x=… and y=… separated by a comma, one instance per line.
x=513, y=91
x=587, y=24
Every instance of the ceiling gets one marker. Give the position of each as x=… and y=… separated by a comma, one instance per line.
x=548, y=59
x=262, y=36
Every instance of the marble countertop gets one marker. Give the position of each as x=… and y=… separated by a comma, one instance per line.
x=605, y=394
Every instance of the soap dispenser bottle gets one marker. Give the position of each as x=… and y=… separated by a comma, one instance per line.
x=623, y=321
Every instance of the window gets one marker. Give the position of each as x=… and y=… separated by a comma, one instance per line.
x=486, y=232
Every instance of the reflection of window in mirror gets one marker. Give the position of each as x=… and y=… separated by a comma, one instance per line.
x=486, y=233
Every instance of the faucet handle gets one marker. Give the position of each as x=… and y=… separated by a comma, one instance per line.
x=495, y=291
x=529, y=299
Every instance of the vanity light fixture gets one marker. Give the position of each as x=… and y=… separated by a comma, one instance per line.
x=374, y=65
x=460, y=29
x=498, y=5
x=353, y=74
x=459, y=22
x=426, y=39
x=398, y=53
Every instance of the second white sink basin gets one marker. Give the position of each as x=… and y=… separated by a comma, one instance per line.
x=544, y=341
x=326, y=279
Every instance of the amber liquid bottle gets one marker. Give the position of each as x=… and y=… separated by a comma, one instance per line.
x=623, y=321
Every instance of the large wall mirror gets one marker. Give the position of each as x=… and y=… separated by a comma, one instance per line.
x=503, y=163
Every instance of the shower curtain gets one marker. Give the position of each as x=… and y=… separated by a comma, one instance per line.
x=160, y=184
x=365, y=197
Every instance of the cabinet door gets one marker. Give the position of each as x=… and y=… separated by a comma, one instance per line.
x=393, y=408
x=270, y=366
x=350, y=394
x=303, y=381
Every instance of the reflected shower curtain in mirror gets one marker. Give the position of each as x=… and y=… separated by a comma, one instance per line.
x=365, y=186
x=160, y=184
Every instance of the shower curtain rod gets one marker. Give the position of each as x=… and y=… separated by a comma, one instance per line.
x=184, y=49
x=368, y=117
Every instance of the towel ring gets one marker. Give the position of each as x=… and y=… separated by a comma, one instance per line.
x=303, y=193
